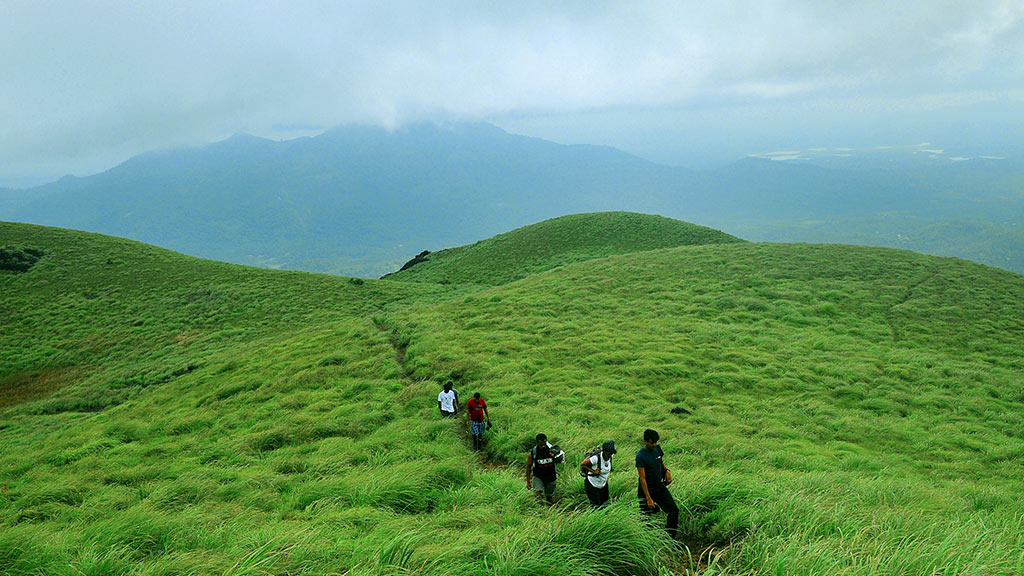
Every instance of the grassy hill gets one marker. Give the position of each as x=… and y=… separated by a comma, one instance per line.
x=552, y=243
x=825, y=410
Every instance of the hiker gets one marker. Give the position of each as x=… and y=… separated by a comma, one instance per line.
x=540, y=468
x=652, y=487
x=448, y=401
x=597, y=469
x=477, y=419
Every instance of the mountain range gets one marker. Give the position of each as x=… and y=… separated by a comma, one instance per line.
x=360, y=201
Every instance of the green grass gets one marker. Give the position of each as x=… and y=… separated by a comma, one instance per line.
x=851, y=411
x=888, y=380
x=553, y=243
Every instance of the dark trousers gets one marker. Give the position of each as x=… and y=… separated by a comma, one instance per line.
x=663, y=500
x=598, y=496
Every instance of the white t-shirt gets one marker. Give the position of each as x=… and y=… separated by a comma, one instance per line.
x=601, y=479
x=447, y=400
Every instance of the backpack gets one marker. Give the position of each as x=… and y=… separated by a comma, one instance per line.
x=590, y=454
x=554, y=455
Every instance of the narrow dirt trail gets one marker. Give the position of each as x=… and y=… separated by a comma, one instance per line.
x=400, y=346
x=890, y=314
x=692, y=558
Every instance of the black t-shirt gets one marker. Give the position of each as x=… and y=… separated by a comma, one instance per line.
x=650, y=461
x=543, y=463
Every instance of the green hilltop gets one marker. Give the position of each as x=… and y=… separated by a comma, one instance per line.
x=553, y=243
x=825, y=409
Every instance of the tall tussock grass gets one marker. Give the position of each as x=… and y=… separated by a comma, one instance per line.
x=825, y=410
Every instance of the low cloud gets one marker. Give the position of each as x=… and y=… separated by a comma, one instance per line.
x=103, y=80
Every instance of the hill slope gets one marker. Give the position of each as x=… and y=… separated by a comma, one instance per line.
x=836, y=409
x=96, y=303
x=165, y=415
x=556, y=242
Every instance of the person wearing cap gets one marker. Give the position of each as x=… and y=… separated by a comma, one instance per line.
x=598, y=467
x=448, y=401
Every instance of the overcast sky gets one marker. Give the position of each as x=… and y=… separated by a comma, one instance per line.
x=85, y=85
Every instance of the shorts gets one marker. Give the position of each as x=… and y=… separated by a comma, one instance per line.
x=447, y=414
x=548, y=488
x=478, y=427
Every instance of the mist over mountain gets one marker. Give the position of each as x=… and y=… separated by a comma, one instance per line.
x=11, y=198
x=360, y=200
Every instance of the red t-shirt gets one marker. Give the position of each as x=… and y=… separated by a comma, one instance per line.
x=476, y=409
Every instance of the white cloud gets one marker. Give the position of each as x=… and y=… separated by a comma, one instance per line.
x=91, y=80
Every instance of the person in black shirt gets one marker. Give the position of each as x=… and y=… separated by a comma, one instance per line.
x=540, y=468
x=652, y=487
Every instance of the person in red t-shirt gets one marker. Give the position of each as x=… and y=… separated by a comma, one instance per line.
x=477, y=419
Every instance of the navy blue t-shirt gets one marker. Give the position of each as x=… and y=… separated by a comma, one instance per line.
x=650, y=461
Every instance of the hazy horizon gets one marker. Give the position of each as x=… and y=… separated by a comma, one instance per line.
x=681, y=83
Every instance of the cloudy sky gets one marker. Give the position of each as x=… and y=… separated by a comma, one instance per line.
x=85, y=85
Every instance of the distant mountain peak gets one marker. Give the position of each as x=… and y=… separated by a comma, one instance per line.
x=416, y=129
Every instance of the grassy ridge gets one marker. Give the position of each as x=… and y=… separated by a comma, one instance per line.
x=556, y=242
x=851, y=410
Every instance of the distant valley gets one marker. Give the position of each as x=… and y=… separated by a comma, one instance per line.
x=361, y=201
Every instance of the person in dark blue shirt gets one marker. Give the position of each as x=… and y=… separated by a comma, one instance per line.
x=652, y=487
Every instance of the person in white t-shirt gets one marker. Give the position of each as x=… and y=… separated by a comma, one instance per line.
x=598, y=467
x=448, y=401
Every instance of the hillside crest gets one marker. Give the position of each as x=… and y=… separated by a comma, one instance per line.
x=552, y=243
